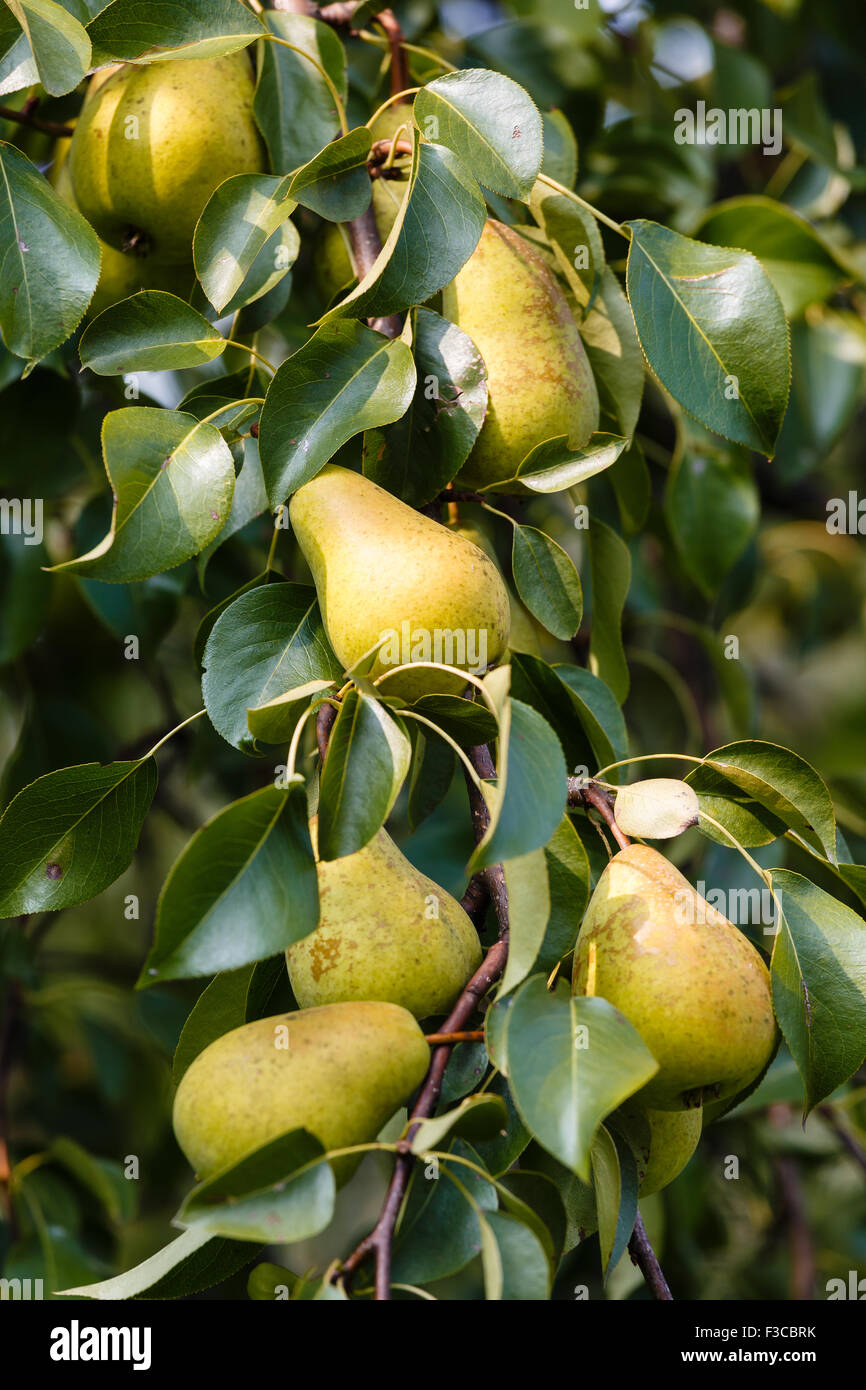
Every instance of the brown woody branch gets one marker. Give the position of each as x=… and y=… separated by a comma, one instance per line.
x=27, y=116
x=582, y=793
x=643, y=1255
x=380, y=1240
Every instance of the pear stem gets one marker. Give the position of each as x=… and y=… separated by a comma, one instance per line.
x=586, y=794
x=643, y=1255
x=449, y=1039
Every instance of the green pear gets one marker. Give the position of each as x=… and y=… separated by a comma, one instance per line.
x=385, y=573
x=692, y=985
x=539, y=380
x=385, y=932
x=332, y=263
x=153, y=142
x=666, y=1140
x=120, y=274
x=339, y=1072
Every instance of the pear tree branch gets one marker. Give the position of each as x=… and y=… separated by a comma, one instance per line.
x=581, y=793
x=643, y=1255
x=380, y=1240
x=27, y=116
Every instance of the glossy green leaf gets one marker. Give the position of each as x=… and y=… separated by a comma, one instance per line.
x=531, y=790
x=781, y=781
x=152, y=331
x=516, y=1267
x=237, y=220
x=477, y=1117
x=553, y=467
x=71, y=833
x=439, y=1233
x=528, y=913
x=127, y=31
x=598, y=712
x=610, y=568
x=568, y=880
x=59, y=43
x=819, y=984
x=615, y=1183
x=293, y=105
x=193, y=1262
x=713, y=329
x=614, y=353
x=335, y=182
x=50, y=258
x=232, y=998
x=571, y=1061
x=547, y=581
x=490, y=122
x=269, y=640
x=243, y=889
x=368, y=758
x=712, y=506
x=346, y=379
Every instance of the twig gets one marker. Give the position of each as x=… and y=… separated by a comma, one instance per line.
x=643, y=1255
x=26, y=117
x=584, y=793
x=380, y=1240
x=449, y=1039
x=475, y=899
x=387, y=22
x=324, y=724
x=847, y=1140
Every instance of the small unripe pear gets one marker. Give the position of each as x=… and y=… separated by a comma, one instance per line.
x=153, y=142
x=540, y=384
x=692, y=985
x=385, y=932
x=672, y=1137
x=339, y=1072
x=383, y=571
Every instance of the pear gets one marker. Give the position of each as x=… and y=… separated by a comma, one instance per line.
x=384, y=571
x=153, y=142
x=691, y=984
x=339, y=1072
x=120, y=274
x=539, y=380
x=666, y=1140
x=385, y=932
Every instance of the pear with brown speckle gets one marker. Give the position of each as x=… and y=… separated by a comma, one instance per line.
x=692, y=985
x=339, y=1072
x=385, y=931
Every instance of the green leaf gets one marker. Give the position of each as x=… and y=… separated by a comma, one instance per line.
x=346, y=379
x=129, y=31
x=243, y=889
x=712, y=506
x=552, y=466
x=173, y=479
x=439, y=1233
x=275, y=721
x=819, y=984
x=238, y=219
x=435, y=232
x=713, y=330
x=335, y=183
x=277, y=1194
x=516, y=1267
x=571, y=1061
x=477, y=1117
x=615, y=1183
x=368, y=758
x=17, y=66
x=802, y=265
x=232, y=998
x=610, y=568
x=293, y=106
x=560, y=148
x=467, y=723
x=152, y=331
x=26, y=590
x=614, y=353
x=598, y=712
x=528, y=913
x=569, y=882
x=547, y=581
x=538, y=1194
x=490, y=122
x=597, y=736
x=781, y=781
x=60, y=45
x=531, y=789
x=499, y=1153
x=191, y=1263
x=50, y=259
x=105, y=1181
x=575, y=241
x=430, y=775
x=71, y=833
x=268, y=641
x=421, y=453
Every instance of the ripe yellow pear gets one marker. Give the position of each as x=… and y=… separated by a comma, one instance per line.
x=385, y=932
x=692, y=985
x=339, y=1072
x=120, y=274
x=540, y=384
x=153, y=142
x=384, y=571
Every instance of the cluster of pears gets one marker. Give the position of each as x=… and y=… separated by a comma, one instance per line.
x=150, y=146
x=390, y=947
x=694, y=988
